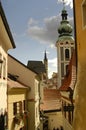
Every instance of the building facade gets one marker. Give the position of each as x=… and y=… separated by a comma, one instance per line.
x=67, y=89
x=18, y=113
x=30, y=79
x=6, y=43
x=65, y=46
x=80, y=88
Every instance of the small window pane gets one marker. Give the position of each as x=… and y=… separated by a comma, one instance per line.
x=67, y=54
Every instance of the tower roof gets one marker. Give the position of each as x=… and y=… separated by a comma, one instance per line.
x=65, y=28
x=45, y=56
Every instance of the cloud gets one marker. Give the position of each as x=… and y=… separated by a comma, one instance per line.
x=52, y=66
x=53, y=62
x=47, y=33
x=67, y=2
x=32, y=22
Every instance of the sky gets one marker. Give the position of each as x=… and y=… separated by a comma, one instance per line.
x=34, y=24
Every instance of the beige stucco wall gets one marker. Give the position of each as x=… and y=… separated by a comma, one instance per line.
x=80, y=90
x=25, y=75
x=14, y=95
x=3, y=96
x=3, y=83
x=66, y=124
x=54, y=120
x=30, y=79
x=31, y=119
x=5, y=45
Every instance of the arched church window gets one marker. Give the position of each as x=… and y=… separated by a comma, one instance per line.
x=67, y=54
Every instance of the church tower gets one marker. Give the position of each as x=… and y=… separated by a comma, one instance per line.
x=46, y=63
x=65, y=46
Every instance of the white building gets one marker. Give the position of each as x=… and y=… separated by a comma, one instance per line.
x=6, y=43
x=65, y=46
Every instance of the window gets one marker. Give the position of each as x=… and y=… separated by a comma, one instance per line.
x=62, y=54
x=67, y=54
x=15, y=108
x=19, y=107
x=84, y=12
x=24, y=105
x=66, y=42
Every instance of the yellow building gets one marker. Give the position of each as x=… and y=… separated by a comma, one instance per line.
x=6, y=43
x=80, y=88
x=28, y=78
x=17, y=104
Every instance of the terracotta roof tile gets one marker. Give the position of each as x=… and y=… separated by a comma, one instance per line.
x=15, y=84
x=51, y=105
x=69, y=80
x=51, y=94
x=51, y=100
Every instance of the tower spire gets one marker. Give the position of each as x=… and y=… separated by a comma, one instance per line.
x=65, y=28
x=45, y=56
x=46, y=63
x=63, y=45
x=63, y=4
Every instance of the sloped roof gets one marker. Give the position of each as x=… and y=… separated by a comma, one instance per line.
x=51, y=94
x=15, y=84
x=51, y=100
x=20, y=62
x=70, y=78
x=36, y=66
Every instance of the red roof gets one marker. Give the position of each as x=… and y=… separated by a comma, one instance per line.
x=51, y=100
x=51, y=94
x=15, y=84
x=69, y=80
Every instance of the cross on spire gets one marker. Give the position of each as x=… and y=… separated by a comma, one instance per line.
x=63, y=3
